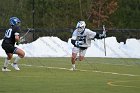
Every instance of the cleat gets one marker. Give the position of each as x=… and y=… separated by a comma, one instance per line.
x=15, y=66
x=5, y=69
x=72, y=69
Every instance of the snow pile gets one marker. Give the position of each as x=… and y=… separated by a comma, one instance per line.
x=55, y=47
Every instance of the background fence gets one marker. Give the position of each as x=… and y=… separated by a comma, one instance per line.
x=65, y=34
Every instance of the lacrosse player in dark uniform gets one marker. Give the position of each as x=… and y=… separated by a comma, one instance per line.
x=81, y=39
x=11, y=37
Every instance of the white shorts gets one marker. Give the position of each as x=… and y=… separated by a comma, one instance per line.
x=80, y=51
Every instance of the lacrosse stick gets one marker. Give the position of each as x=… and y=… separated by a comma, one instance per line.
x=22, y=38
x=29, y=29
x=104, y=32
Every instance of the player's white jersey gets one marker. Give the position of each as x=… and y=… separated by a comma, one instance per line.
x=85, y=37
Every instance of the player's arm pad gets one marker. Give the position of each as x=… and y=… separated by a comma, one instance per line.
x=73, y=42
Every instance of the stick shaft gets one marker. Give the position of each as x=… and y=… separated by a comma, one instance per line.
x=104, y=46
x=104, y=40
x=27, y=32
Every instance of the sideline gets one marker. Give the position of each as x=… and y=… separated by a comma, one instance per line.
x=95, y=71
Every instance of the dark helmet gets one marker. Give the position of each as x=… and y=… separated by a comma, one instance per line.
x=14, y=21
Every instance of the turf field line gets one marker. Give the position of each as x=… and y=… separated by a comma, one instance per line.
x=113, y=83
x=114, y=73
x=118, y=64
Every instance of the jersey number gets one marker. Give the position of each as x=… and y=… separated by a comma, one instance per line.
x=8, y=33
x=82, y=38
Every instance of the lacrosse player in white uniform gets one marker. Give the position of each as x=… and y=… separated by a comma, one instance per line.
x=81, y=39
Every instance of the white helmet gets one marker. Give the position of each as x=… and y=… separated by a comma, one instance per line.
x=81, y=26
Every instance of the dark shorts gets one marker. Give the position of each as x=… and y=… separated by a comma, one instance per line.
x=83, y=48
x=9, y=48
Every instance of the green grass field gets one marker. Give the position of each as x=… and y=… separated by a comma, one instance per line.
x=52, y=75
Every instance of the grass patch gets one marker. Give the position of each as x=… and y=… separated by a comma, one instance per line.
x=92, y=76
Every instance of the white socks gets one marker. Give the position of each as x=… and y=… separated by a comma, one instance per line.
x=73, y=66
x=17, y=59
x=6, y=63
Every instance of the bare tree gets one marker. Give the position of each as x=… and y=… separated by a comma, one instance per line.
x=100, y=11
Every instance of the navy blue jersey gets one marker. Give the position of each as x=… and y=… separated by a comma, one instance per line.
x=9, y=37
